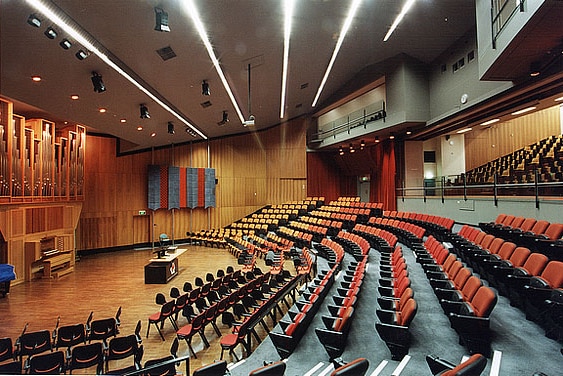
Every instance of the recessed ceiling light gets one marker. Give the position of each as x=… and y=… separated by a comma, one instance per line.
x=153, y=134
x=36, y=78
x=74, y=97
x=524, y=110
x=492, y=121
x=140, y=128
x=123, y=120
x=102, y=110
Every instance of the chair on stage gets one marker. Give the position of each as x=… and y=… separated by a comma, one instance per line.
x=12, y=366
x=166, y=312
x=51, y=363
x=87, y=356
x=168, y=369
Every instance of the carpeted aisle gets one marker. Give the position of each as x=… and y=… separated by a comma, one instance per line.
x=524, y=347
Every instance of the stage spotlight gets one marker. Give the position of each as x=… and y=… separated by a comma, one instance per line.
x=376, y=139
x=50, y=33
x=205, y=88
x=65, y=44
x=362, y=145
x=33, y=20
x=170, y=127
x=161, y=20
x=99, y=86
x=145, y=112
x=341, y=151
x=81, y=54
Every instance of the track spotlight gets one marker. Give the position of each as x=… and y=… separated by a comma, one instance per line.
x=99, y=86
x=377, y=139
x=65, y=44
x=392, y=136
x=170, y=127
x=409, y=132
x=225, y=118
x=50, y=33
x=33, y=20
x=81, y=54
x=205, y=88
x=190, y=131
x=362, y=145
x=145, y=113
x=161, y=20
x=341, y=151
x=352, y=150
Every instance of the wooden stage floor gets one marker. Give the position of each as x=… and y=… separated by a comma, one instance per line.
x=103, y=282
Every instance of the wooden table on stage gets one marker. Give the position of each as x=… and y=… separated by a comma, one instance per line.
x=162, y=269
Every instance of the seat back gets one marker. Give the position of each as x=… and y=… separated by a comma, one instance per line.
x=357, y=367
x=540, y=227
x=122, y=347
x=486, y=241
x=70, y=335
x=213, y=369
x=535, y=263
x=470, y=288
x=528, y=224
x=483, y=302
x=103, y=329
x=495, y=245
x=519, y=256
x=405, y=316
x=500, y=218
x=506, y=250
x=51, y=363
x=473, y=366
x=6, y=349
x=272, y=369
x=461, y=278
x=554, y=231
x=86, y=356
x=553, y=274
x=34, y=343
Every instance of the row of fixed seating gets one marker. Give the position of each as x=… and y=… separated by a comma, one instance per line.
x=353, y=244
x=530, y=280
x=362, y=214
x=246, y=227
x=381, y=240
x=282, y=242
x=397, y=307
x=359, y=204
x=331, y=251
x=537, y=235
x=437, y=225
x=303, y=261
x=300, y=238
x=407, y=233
x=332, y=226
x=334, y=335
x=462, y=295
x=214, y=237
x=318, y=232
x=287, y=335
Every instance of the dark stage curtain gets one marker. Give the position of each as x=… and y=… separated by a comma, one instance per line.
x=382, y=187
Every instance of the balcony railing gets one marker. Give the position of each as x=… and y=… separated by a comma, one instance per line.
x=501, y=12
x=457, y=186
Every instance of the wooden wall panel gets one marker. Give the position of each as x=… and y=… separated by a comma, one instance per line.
x=252, y=170
x=17, y=222
x=485, y=144
x=16, y=258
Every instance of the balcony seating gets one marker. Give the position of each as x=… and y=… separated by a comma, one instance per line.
x=393, y=328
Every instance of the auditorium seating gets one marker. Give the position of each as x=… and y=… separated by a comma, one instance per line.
x=473, y=366
x=539, y=289
x=397, y=305
x=270, y=369
x=288, y=333
x=357, y=367
x=334, y=335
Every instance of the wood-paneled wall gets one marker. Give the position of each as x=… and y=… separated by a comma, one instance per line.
x=252, y=170
x=485, y=144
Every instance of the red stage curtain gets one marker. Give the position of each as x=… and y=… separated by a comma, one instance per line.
x=382, y=187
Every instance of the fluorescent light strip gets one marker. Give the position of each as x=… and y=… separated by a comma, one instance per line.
x=461, y=131
x=76, y=35
x=192, y=11
x=524, y=110
x=345, y=27
x=399, y=18
x=288, y=7
x=492, y=121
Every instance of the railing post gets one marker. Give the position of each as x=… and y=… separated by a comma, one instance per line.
x=536, y=187
x=495, y=188
x=443, y=188
x=403, y=192
x=464, y=179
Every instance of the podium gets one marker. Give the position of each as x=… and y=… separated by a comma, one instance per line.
x=161, y=270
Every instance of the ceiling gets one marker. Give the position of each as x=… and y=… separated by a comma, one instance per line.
x=242, y=33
